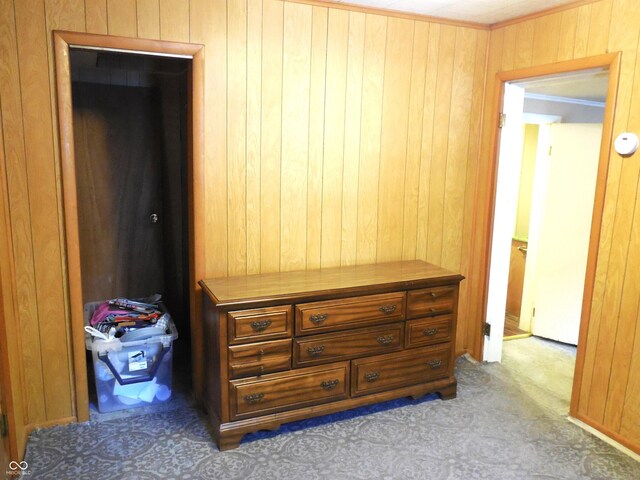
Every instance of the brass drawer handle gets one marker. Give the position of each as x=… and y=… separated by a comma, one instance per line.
x=433, y=295
x=315, y=351
x=434, y=363
x=371, y=376
x=318, y=318
x=429, y=332
x=260, y=325
x=329, y=384
x=385, y=339
x=253, y=398
x=388, y=308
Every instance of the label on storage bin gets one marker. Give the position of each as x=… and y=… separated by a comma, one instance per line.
x=137, y=361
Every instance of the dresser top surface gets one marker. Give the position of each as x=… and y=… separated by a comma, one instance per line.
x=299, y=284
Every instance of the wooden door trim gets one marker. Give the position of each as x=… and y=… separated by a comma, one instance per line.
x=63, y=41
x=612, y=62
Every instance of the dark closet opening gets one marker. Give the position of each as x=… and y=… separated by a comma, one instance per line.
x=130, y=133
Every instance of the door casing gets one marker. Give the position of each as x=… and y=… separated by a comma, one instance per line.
x=611, y=61
x=63, y=41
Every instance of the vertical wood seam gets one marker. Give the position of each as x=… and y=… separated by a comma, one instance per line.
x=284, y=7
x=384, y=69
x=246, y=134
x=415, y=250
x=406, y=150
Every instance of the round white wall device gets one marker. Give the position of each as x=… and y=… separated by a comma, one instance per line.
x=626, y=143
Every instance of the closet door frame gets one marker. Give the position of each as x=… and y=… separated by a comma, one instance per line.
x=63, y=42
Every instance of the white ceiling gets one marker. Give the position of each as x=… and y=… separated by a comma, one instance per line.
x=588, y=85
x=479, y=11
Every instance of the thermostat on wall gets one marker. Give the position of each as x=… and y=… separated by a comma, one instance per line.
x=626, y=143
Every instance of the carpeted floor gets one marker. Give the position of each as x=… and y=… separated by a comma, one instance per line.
x=508, y=422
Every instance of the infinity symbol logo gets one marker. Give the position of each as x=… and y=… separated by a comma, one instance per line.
x=13, y=465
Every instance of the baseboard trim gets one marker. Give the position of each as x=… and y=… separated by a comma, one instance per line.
x=605, y=438
x=47, y=424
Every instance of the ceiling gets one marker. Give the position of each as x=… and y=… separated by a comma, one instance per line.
x=478, y=11
x=586, y=85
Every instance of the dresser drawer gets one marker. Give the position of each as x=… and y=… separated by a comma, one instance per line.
x=427, y=331
x=288, y=390
x=394, y=370
x=431, y=301
x=259, y=358
x=332, y=347
x=259, y=324
x=348, y=313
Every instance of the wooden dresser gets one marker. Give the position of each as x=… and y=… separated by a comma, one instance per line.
x=282, y=347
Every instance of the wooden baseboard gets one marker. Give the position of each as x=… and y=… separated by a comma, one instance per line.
x=612, y=438
x=49, y=423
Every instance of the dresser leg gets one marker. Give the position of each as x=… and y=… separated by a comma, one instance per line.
x=229, y=440
x=448, y=393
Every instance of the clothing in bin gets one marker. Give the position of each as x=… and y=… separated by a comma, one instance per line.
x=132, y=348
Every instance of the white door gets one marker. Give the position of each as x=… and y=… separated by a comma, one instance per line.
x=504, y=221
x=562, y=240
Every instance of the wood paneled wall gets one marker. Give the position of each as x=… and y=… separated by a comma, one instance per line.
x=332, y=138
x=610, y=385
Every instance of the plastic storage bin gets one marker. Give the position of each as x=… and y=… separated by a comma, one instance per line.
x=133, y=373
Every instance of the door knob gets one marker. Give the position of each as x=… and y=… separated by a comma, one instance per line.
x=153, y=218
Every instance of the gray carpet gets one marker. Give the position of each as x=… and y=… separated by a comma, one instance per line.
x=508, y=422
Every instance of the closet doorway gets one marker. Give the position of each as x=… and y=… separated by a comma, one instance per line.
x=131, y=146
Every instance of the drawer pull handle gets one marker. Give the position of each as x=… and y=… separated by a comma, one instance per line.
x=253, y=398
x=434, y=363
x=318, y=318
x=315, y=351
x=388, y=308
x=385, y=339
x=433, y=310
x=329, y=384
x=371, y=376
x=429, y=332
x=260, y=325
x=433, y=295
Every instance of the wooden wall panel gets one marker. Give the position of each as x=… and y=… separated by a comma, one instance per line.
x=393, y=146
x=327, y=142
x=148, y=19
x=457, y=148
x=316, y=135
x=174, y=20
x=610, y=382
x=414, y=140
x=428, y=121
x=96, y=16
x=442, y=110
x=43, y=198
x=121, y=18
x=372, y=87
x=20, y=215
x=236, y=136
x=296, y=70
x=332, y=173
x=271, y=141
x=254, y=124
x=353, y=107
